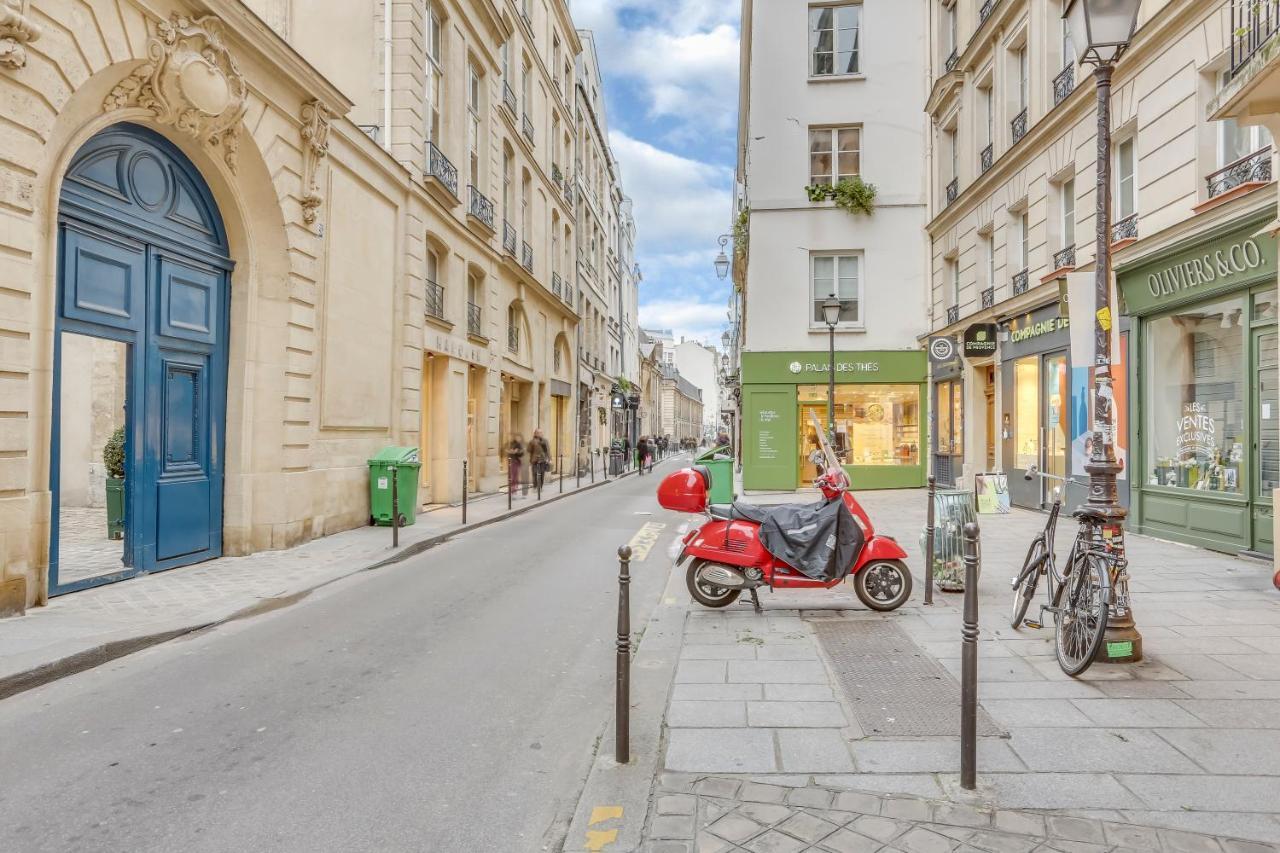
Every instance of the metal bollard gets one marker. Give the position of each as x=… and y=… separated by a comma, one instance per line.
x=591, y=462
x=622, y=699
x=510, y=489
x=395, y=506
x=969, y=663
x=604, y=466
x=464, y=491
x=929, y=533
x=560, y=468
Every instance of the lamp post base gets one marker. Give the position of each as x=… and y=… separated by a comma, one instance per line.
x=1121, y=643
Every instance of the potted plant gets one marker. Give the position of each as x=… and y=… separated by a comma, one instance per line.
x=113, y=459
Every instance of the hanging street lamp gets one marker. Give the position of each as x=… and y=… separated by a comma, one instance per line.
x=1100, y=31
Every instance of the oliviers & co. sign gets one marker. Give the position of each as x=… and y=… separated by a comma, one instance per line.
x=1241, y=258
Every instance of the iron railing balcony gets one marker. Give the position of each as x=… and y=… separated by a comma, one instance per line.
x=440, y=168
x=987, y=157
x=1253, y=23
x=526, y=256
x=509, y=98
x=1020, y=283
x=1250, y=169
x=1125, y=229
x=556, y=285
x=1064, y=84
x=985, y=11
x=557, y=177
x=1018, y=127
x=508, y=238
x=568, y=193
x=435, y=300
x=989, y=297
x=1065, y=258
x=953, y=190
x=953, y=60
x=953, y=314
x=513, y=338
x=479, y=206
x=473, y=320
x=526, y=127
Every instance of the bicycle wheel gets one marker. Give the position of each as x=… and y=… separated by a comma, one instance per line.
x=1081, y=614
x=1024, y=587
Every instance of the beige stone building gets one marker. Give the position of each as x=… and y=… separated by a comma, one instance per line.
x=681, y=407
x=1012, y=181
x=264, y=240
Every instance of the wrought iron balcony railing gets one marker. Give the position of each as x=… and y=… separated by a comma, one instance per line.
x=568, y=193
x=473, y=320
x=556, y=285
x=953, y=60
x=988, y=156
x=1018, y=127
x=1065, y=258
x=989, y=297
x=526, y=127
x=953, y=314
x=1253, y=23
x=568, y=294
x=479, y=206
x=526, y=256
x=440, y=168
x=1064, y=84
x=1253, y=168
x=953, y=190
x=513, y=338
x=557, y=177
x=985, y=11
x=509, y=98
x=1125, y=229
x=508, y=238
x=435, y=300
x=1020, y=283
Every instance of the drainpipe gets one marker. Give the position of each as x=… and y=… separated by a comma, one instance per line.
x=386, y=74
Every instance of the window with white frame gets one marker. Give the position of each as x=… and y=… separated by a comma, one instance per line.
x=1067, y=211
x=834, y=154
x=434, y=73
x=989, y=257
x=1126, y=189
x=433, y=266
x=989, y=112
x=834, y=33
x=1236, y=142
x=1022, y=78
x=473, y=123
x=839, y=276
x=1022, y=241
x=953, y=273
x=1068, y=49
x=953, y=40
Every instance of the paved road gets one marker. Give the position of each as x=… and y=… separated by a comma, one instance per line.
x=449, y=703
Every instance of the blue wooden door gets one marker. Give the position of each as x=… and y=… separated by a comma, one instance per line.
x=144, y=261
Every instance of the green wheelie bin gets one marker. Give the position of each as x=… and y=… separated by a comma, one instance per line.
x=719, y=462
x=405, y=461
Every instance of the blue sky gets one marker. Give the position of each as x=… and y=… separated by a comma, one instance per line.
x=670, y=70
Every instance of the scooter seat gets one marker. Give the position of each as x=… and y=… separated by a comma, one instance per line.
x=739, y=511
x=720, y=512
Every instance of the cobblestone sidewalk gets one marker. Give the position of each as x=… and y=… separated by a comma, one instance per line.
x=726, y=814
x=83, y=623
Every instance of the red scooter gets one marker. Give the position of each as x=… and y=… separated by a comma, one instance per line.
x=729, y=557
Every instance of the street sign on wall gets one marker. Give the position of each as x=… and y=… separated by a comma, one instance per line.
x=942, y=349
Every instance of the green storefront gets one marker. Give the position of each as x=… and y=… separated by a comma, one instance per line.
x=1204, y=410
x=880, y=430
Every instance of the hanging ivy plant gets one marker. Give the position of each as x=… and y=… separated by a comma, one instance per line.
x=741, y=232
x=850, y=194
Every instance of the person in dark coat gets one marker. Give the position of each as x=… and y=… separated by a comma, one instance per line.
x=515, y=460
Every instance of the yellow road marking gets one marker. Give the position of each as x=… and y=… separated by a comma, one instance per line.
x=598, y=839
x=644, y=540
x=602, y=813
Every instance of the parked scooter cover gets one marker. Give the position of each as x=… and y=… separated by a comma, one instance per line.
x=822, y=540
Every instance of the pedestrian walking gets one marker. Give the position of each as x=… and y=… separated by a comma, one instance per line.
x=515, y=460
x=539, y=459
x=642, y=452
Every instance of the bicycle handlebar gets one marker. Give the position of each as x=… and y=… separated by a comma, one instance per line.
x=1033, y=471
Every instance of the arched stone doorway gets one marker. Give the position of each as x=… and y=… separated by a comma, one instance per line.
x=140, y=362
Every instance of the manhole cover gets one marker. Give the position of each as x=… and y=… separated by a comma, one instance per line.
x=893, y=687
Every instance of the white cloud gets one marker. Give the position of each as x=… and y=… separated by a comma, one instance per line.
x=680, y=203
x=700, y=321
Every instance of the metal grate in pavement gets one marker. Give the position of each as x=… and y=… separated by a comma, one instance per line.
x=894, y=688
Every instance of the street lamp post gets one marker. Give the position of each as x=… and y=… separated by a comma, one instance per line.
x=831, y=316
x=1100, y=31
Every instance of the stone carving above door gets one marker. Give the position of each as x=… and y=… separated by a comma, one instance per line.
x=16, y=29
x=190, y=81
x=315, y=146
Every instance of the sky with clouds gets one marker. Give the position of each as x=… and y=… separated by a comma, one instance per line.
x=670, y=70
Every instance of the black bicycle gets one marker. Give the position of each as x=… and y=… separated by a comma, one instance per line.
x=1078, y=598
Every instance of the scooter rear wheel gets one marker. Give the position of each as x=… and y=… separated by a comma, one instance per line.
x=883, y=585
x=708, y=595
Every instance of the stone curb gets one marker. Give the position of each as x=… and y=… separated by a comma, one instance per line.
x=79, y=661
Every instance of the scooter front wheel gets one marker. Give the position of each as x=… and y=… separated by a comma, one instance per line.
x=883, y=585
x=706, y=594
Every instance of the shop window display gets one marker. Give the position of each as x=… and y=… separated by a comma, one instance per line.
x=875, y=424
x=1196, y=363
x=1026, y=400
